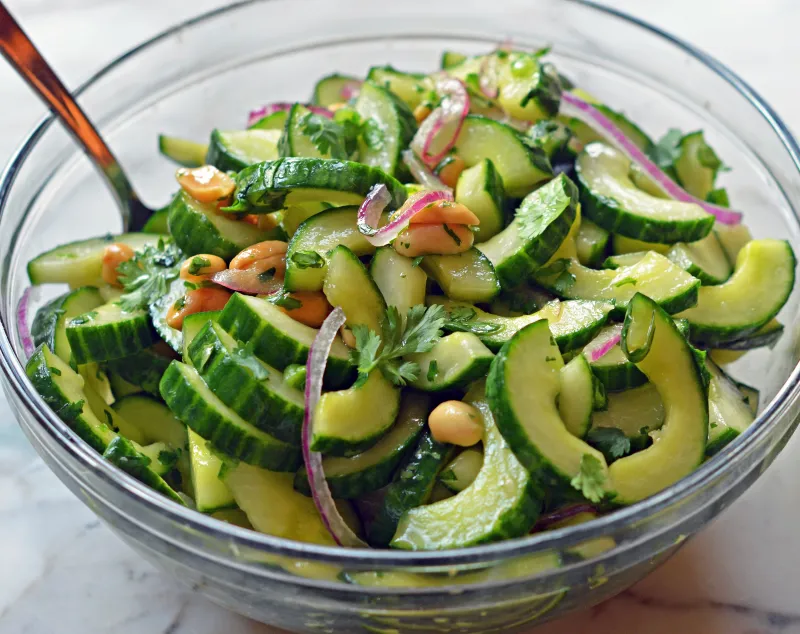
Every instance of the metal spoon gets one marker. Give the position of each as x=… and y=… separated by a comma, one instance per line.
x=17, y=48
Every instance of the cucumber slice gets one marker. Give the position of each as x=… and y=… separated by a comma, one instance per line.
x=481, y=190
x=633, y=411
x=199, y=228
x=733, y=238
x=116, y=422
x=274, y=121
x=62, y=390
x=49, y=326
x=621, y=244
x=294, y=140
x=143, y=369
x=613, y=369
x=409, y=87
x=757, y=290
x=454, y=362
x=399, y=280
x=623, y=259
x=572, y=323
x=540, y=226
x=471, y=516
x=350, y=421
x=728, y=413
x=182, y=151
x=520, y=167
x=610, y=199
x=81, y=263
x=278, y=339
x=252, y=389
x=411, y=487
x=158, y=223
x=293, y=217
x=107, y=332
x=96, y=379
x=190, y=399
x=321, y=234
x=232, y=151
x=553, y=137
x=750, y=396
x=152, y=419
x=349, y=285
x=576, y=398
x=210, y=493
x=328, y=90
x=462, y=470
x=467, y=276
x=391, y=127
x=704, y=259
x=654, y=275
x=373, y=469
x=192, y=324
x=697, y=165
x=120, y=387
x=766, y=336
x=274, y=185
x=591, y=243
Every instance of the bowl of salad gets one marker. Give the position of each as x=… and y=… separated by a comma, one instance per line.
x=449, y=326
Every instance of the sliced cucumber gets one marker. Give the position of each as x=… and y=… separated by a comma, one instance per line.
x=462, y=470
x=350, y=421
x=733, y=238
x=295, y=140
x=192, y=402
x=210, y=493
x=481, y=190
x=278, y=339
x=467, y=276
x=705, y=259
x=750, y=396
x=540, y=226
x=329, y=89
x=766, y=336
x=107, y=332
x=143, y=369
x=757, y=290
x=623, y=259
x=409, y=87
x=613, y=369
x=116, y=422
x=634, y=412
x=591, y=243
x=96, y=379
x=120, y=387
x=654, y=275
x=49, y=326
x=454, y=362
x=321, y=234
x=232, y=151
x=621, y=245
x=154, y=421
x=199, y=228
x=553, y=137
x=192, y=324
x=520, y=167
x=373, y=469
x=146, y=464
x=610, y=199
x=274, y=185
x=697, y=165
x=293, y=217
x=471, y=516
x=81, y=263
x=182, y=151
x=576, y=398
x=728, y=413
x=158, y=222
x=400, y=281
x=349, y=285
x=391, y=127
x=274, y=121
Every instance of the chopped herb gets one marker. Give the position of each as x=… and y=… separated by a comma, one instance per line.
x=191, y=286
x=464, y=319
x=168, y=458
x=246, y=357
x=307, y=260
x=534, y=219
x=180, y=303
x=448, y=475
x=452, y=234
x=627, y=280
x=372, y=134
x=82, y=319
x=590, y=478
x=417, y=260
x=71, y=411
x=266, y=276
x=284, y=300
x=197, y=264
x=718, y=197
x=54, y=371
x=109, y=418
x=713, y=425
x=326, y=135
x=610, y=441
x=433, y=371
x=146, y=277
x=667, y=150
x=548, y=359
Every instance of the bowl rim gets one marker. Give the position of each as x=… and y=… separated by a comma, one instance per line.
x=727, y=460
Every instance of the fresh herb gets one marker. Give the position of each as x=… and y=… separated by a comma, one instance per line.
x=548, y=203
x=417, y=260
x=667, y=150
x=197, y=264
x=307, y=260
x=169, y=457
x=284, y=300
x=708, y=158
x=244, y=354
x=452, y=234
x=326, y=135
x=123, y=454
x=421, y=331
x=549, y=359
x=560, y=270
x=146, y=277
x=448, y=475
x=82, y=319
x=590, y=479
x=295, y=376
x=610, y=441
x=433, y=371
x=180, y=303
x=624, y=281
x=718, y=197
x=71, y=411
x=266, y=276
x=464, y=319
x=372, y=134
x=190, y=286
x=54, y=371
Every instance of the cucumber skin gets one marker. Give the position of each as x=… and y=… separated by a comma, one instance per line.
x=45, y=322
x=616, y=378
x=272, y=347
x=105, y=342
x=219, y=157
x=143, y=369
x=240, y=390
x=183, y=401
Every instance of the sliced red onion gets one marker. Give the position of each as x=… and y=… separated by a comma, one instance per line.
x=603, y=348
x=351, y=89
x=320, y=491
x=590, y=115
x=369, y=214
x=422, y=173
x=402, y=218
x=22, y=322
x=279, y=106
x=438, y=133
x=250, y=281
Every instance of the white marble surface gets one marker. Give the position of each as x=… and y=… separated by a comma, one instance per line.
x=62, y=572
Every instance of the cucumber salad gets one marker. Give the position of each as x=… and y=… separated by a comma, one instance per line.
x=420, y=311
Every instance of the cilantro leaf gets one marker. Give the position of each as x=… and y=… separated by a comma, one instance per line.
x=452, y=234
x=610, y=441
x=718, y=197
x=464, y=319
x=541, y=208
x=307, y=259
x=68, y=413
x=285, y=300
x=197, y=264
x=667, y=150
x=590, y=478
x=326, y=135
x=246, y=357
x=146, y=277
x=433, y=371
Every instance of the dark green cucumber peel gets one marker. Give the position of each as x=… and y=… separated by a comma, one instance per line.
x=143, y=369
x=97, y=341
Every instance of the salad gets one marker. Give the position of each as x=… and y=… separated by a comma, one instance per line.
x=422, y=311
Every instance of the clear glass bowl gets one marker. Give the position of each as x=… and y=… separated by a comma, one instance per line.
x=207, y=73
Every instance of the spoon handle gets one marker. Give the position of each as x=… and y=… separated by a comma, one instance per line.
x=18, y=49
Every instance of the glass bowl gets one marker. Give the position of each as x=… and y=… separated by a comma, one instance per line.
x=207, y=73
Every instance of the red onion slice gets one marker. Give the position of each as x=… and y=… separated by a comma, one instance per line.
x=369, y=214
x=250, y=281
x=422, y=173
x=320, y=491
x=590, y=115
x=438, y=133
x=264, y=111
x=22, y=322
x=603, y=348
x=402, y=218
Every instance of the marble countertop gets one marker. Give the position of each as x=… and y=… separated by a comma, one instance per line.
x=63, y=572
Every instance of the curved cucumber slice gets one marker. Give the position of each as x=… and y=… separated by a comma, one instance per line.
x=728, y=412
x=274, y=121
x=182, y=151
x=153, y=419
x=252, y=389
x=758, y=289
x=192, y=324
x=621, y=245
x=349, y=285
x=278, y=339
x=391, y=127
x=328, y=90
x=591, y=243
x=273, y=185
x=320, y=234
x=49, y=326
x=697, y=165
x=210, y=493
x=623, y=259
x=455, y=361
x=471, y=516
x=350, y=421
x=373, y=469
x=192, y=402
x=613, y=369
x=634, y=412
x=107, y=332
x=577, y=396
x=611, y=200
x=158, y=222
x=401, y=283
x=705, y=259
x=462, y=470
x=481, y=190
x=520, y=166
x=467, y=276
x=766, y=336
x=540, y=226
x=451, y=59
x=409, y=87
x=234, y=150
x=733, y=238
